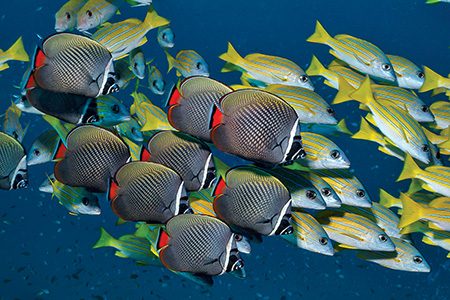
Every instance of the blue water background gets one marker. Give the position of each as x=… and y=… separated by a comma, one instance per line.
x=47, y=254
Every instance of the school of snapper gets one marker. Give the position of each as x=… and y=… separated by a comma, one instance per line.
x=194, y=214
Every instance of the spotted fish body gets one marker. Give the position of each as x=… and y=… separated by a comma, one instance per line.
x=13, y=166
x=147, y=192
x=254, y=201
x=190, y=105
x=257, y=126
x=92, y=157
x=188, y=156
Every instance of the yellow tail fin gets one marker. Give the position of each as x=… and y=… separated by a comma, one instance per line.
x=316, y=68
x=320, y=35
x=105, y=240
x=153, y=20
x=410, y=169
x=344, y=92
x=387, y=200
x=342, y=127
x=171, y=61
x=412, y=211
x=17, y=51
x=368, y=133
x=434, y=138
x=4, y=66
x=364, y=94
x=415, y=227
x=231, y=57
x=432, y=80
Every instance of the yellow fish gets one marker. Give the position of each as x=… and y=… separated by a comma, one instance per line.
x=15, y=52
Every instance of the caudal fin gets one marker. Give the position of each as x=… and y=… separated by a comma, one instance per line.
x=364, y=94
x=368, y=133
x=232, y=57
x=105, y=240
x=17, y=51
x=171, y=61
x=412, y=211
x=320, y=35
x=344, y=92
x=342, y=127
x=431, y=80
x=153, y=20
x=387, y=200
x=410, y=169
x=316, y=68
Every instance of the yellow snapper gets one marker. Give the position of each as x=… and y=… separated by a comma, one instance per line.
x=441, y=112
x=188, y=63
x=328, y=194
x=15, y=52
x=122, y=37
x=405, y=258
x=431, y=237
x=95, y=12
x=150, y=116
x=359, y=54
x=261, y=69
x=322, y=153
x=433, y=179
x=396, y=124
x=434, y=81
x=409, y=75
x=309, y=234
x=11, y=123
x=66, y=16
x=354, y=231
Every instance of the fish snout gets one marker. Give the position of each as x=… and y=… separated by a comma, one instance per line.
x=20, y=182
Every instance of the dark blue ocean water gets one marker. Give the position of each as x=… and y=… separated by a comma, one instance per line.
x=47, y=254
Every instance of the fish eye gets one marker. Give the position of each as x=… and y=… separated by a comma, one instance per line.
x=425, y=148
x=164, y=36
x=89, y=13
x=67, y=15
x=326, y=192
x=133, y=130
x=304, y=78
x=199, y=65
x=335, y=154
x=36, y=152
x=425, y=108
x=238, y=237
x=330, y=111
x=311, y=194
x=135, y=65
x=15, y=135
x=85, y=201
x=360, y=193
x=386, y=67
x=115, y=108
x=154, y=83
x=418, y=259
x=323, y=241
x=383, y=238
x=238, y=265
x=421, y=75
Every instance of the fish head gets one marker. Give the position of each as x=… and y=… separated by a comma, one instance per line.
x=421, y=113
x=89, y=205
x=383, y=70
x=410, y=258
x=88, y=17
x=422, y=152
x=296, y=150
x=330, y=197
x=198, y=67
x=156, y=82
x=301, y=80
x=65, y=20
x=46, y=185
x=137, y=64
x=360, y=197
x=281, y=223
x=19, y=178
x=38, y=155
x=235, y=264
x=335, y=159
x=413, y=80
x=380, y=241
x=132, y=130
x=166, y=37
x=242, y=243
x=111, y=111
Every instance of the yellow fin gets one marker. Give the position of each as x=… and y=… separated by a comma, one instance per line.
x=344, y=92
x=153, y=20
x=232, y=57
x=432, y=80
x=412, y=211
x=364, y=94
x=17, y=51
x=368, y=133
x=410, y=169
x=387, y=200
x=171, y=61
x=320, y=35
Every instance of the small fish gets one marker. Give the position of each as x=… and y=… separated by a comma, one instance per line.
x=438, y=218
x=13, y=164
x=11, y=123
x=330, y=197
x=147, y=192
x=434, y=81
x=25, y=106
x=355, y=232
x=92, y=155
x=110, y=111
x=328, y=130
x=150, y=116
x=130, y=129
x=73, y=64
x=359, y=54
x=156, y=81
x=309, y=234
x=191, y=102
x=129, y=246
x=254, y=202
x=43, y=148
x=322, y=153
x=303, y=193
x=441, y=112
x=78, y=201
x=136, y=3
x=430, y=236
x=188, y=63
x=137, y=62
x=15, y=52
x=200, y=245
x=166, y=37
x=186, y=155
x=434, y=179
x=66, y=16
x=201, y=202
x=94, y=13
x=409, y=75
x=122, y=37
x=261, y=70
x=123, y=73
x=46, y=185
x=254, y=117
x=405, y=258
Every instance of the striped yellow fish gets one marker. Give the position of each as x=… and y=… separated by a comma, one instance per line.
x=150, y=116
x=434, y=81
x=354, y=231
x=441, y=112
x=359, y=54
x=75, y=199
x=405, y=258
x=309, y=234
x=121, y=38
x=135, y=149
x=12, y=125
x=96, y=12
x=388, y=201
x=396, y=124
x=431, y=237
x=434, y=179
x=328, y=194
x=409, y=75
x=15, y=52
x=188, y=63
x=261, y=70
x=322, y=153
x=438, y=219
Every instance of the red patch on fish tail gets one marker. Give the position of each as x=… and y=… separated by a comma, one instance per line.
x=163, y=239
x=174, y=97
x=113, y=191
x=145, y=154
x=216, y=117
x=220, y=187
x=61, y=150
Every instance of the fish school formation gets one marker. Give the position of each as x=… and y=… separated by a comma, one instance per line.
x=195, y=214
